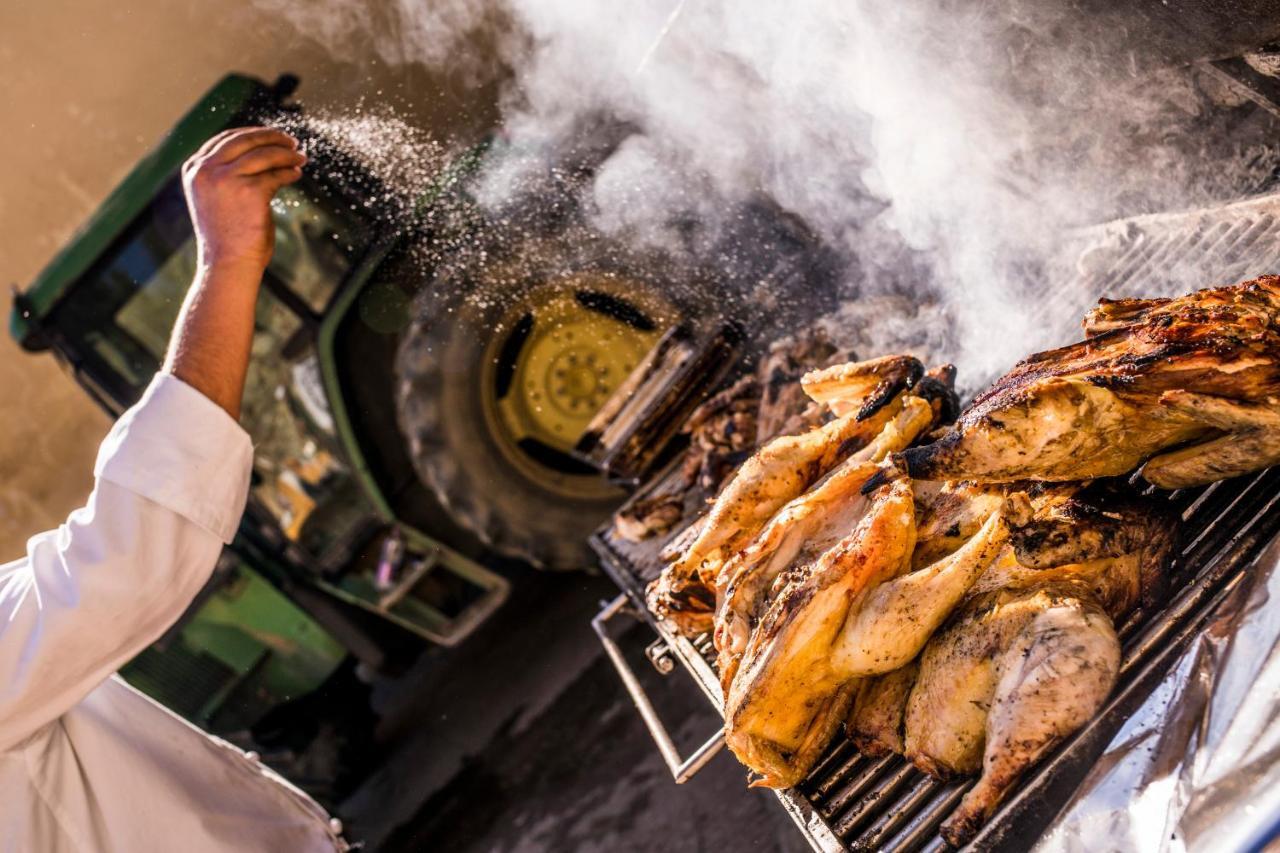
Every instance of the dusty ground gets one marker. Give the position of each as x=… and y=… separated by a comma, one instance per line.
x=523, y=740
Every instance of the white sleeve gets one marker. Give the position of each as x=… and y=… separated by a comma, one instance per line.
x=172, y=478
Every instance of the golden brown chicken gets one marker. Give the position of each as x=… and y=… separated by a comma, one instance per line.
x=1188, y=386
x=786, y=701
x=1032, y=653
x=865, y=396
x=800, y=532
x=859, y=611
x=875, y=722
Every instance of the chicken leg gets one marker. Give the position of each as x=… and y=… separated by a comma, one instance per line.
x=1051, y=680
x=895, y=619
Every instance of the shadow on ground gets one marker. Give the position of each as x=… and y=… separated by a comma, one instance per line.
x=523, y=739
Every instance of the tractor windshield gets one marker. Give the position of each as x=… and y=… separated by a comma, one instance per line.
x=115, y=325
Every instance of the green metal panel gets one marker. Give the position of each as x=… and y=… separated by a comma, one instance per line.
x=212, y=113
x=410, y=612
x=250, y=615
x=246, y=632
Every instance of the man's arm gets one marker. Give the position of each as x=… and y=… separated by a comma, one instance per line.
x=229, y=184
x=172, y=476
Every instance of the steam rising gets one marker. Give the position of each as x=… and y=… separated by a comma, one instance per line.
x=941, y=149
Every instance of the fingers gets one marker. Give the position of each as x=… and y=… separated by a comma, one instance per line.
x=276, y=178
x=230, y=144
x=212, y=142
x=245, y=140
x=265, y=159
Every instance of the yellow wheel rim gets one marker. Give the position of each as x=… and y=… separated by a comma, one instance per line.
x=560, y=352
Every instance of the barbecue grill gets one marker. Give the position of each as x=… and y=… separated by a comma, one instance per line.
x=852, y=802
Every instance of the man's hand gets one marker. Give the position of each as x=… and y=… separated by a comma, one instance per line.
x=229, y=183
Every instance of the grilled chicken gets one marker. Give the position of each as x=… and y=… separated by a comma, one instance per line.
x=867, y=396
x=800, y=532
x=858, y=612
x=725, y=428
x=1188, y=386
x=1031, y=655
x=784, y=407
x=875, y=723
x=948, y=515
x=786, y=700
x=893, y=621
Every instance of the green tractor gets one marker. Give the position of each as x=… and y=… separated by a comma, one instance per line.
x=426, y=372
x=392, y=457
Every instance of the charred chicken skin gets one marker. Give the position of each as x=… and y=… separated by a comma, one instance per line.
x=1188, y=386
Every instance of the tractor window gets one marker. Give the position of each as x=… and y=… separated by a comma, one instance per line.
x=299, y=478
x=314, y=247
x=117, y=320
x=148, y=317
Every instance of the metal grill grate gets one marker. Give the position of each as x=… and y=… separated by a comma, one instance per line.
x=853, y=802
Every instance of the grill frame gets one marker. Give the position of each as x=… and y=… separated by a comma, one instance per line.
x=849, y=802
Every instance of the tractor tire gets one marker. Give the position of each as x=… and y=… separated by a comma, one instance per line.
x=521, y=497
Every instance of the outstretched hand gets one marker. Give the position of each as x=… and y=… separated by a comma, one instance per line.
x=229, y=184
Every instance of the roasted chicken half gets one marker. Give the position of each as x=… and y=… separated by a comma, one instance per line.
x=786, y=701
x=1032, y=653
x=858, y=611
x=801, y=532
x=1188, y=386
x=865, y=396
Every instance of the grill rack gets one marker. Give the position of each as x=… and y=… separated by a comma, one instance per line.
x=852, y=802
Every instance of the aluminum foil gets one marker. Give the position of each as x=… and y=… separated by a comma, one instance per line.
x=1198, y=766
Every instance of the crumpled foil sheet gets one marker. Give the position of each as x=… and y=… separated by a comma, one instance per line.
x=1197, y=767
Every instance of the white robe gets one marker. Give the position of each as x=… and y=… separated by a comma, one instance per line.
x=88, y=764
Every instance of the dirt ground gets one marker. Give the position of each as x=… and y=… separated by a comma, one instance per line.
x=88, y=88
x=523, y=740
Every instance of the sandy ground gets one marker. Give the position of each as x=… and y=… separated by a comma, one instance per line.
x=88, y=88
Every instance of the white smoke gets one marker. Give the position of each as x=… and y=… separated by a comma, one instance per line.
x=965, y=136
